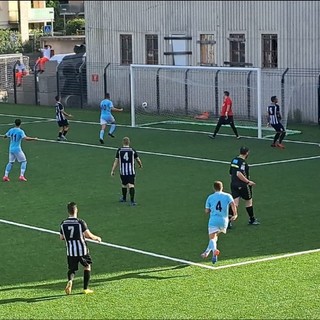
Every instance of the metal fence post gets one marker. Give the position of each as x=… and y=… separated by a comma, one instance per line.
x=105, y=88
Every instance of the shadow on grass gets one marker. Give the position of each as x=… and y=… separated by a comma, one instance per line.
x=32, y=300
x=61, y=284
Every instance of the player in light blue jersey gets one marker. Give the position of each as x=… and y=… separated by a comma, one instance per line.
x=16, y=135
x=106, y=117
x=217, y=206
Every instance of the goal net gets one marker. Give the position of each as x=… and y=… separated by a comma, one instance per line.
x=190, y=97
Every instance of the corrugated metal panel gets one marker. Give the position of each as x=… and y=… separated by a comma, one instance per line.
x=295, y=22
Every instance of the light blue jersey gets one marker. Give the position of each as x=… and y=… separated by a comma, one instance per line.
x=16, y=135
x=218, y=203
x=106, y=106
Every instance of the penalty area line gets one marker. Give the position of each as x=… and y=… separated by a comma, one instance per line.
x=182, y=261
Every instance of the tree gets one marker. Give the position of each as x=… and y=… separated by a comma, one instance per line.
x=10, y=41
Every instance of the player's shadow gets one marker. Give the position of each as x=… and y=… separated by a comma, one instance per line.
x=32, y=300
x=60, y=284
x=146, y=275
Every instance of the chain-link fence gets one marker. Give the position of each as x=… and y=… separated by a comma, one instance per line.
x=7, y=63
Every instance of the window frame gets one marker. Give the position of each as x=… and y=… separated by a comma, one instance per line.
x=128, y=50
x=237, y=40
x=269, y=56
x=154, y=39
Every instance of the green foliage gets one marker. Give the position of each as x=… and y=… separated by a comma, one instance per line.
x=10, y=41
x=33, y=43
x=74, y=25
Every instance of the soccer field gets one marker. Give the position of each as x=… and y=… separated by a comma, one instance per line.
x=148, y=265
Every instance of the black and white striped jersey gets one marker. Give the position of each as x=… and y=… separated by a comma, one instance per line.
x=274, y=114
x=59, y=114
x=126, y=157
x=72, y=230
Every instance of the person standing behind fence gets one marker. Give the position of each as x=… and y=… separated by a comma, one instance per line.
x=226, y=116
x=46, y=55
x=274, y=119
x=20, y=71
x=106, y=117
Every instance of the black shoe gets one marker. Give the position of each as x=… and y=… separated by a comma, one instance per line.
x=212, y=136
x=101, y=141
x=111, y=135
x=254, y=222
x=229, y=225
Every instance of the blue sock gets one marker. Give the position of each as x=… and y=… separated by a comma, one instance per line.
x=8, y=168
x=101, y=134
x=112, y=128
x=23, y=168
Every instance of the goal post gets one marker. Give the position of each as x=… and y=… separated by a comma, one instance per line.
x=166, y=94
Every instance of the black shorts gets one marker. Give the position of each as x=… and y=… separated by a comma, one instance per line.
x=244, y=192
x=63, y=123
x=223, y=120
x=127, y=179
x=278, y=127
x=73, y=262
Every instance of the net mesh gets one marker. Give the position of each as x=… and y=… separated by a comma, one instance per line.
x=169, y=97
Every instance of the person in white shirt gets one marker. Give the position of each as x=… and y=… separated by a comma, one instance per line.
x=46, y=55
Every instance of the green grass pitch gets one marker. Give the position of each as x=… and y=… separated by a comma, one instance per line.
x=149, y=266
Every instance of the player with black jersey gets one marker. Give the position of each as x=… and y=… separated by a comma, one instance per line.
x=74, y=231
x=125, y=158
x=61, y=119
x=274, y=119
x=241, y=185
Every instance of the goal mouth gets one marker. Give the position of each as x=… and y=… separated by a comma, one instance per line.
x=176, y=97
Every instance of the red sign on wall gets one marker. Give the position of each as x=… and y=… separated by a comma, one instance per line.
x=95, y=77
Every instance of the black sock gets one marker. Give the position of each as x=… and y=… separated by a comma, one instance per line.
x=60, y=134
x=70, y=275
x=65, y=132
x=124, y=193
x=250, y=213
x=131, y=191
x=86, y=278
x=282, y=135
x=277, y=135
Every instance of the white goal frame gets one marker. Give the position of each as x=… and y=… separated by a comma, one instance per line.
x=257, y=70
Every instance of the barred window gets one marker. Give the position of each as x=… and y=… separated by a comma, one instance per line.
x=152, y=49
x=269, y=50
x=125, y=49
x=237, y=49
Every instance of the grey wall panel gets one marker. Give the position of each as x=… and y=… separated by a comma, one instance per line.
x=295, y=22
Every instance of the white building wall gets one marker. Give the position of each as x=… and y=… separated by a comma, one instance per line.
x=295, y=22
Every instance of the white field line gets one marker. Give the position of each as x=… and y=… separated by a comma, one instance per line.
x=152, y=128
x=171, y=155
x=182, y=261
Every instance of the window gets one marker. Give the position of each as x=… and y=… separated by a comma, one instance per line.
x=237, y=49
x=152, y=49
x=269, y=51
x=125, y=49
x=207, y=49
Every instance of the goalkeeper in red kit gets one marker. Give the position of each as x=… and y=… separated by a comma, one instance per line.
x=226, y=116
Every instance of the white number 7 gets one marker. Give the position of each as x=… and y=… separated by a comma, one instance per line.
x=71, y=231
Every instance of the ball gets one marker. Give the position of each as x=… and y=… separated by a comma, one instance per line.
x=144, y=105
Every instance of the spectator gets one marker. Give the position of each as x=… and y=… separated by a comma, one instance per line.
x=46, y=55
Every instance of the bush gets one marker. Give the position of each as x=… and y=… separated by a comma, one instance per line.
x=74, y=25
x=10, y=41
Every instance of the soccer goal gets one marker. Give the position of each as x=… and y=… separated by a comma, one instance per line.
x=190, y=97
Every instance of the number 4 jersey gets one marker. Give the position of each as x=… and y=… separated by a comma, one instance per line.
x=218, y=203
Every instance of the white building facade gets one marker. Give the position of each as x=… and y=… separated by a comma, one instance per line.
x=272, y=35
